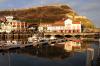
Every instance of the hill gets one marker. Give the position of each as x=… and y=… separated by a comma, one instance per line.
x=43, y=14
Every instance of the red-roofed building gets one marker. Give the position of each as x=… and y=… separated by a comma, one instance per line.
x=72, y=27
x=16, y=24
x=66, y=26
x=8, y=24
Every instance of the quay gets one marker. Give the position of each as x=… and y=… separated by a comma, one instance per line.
x=6, y=47
x=23, y=44
x=81, y=34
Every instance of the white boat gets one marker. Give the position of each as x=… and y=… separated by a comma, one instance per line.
x=30, y=39
x=8, y=43
x=52, y=37
x=14, y=42
x=33, y=39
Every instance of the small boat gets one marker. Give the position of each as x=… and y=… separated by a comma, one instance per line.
x=14, y=42
x=8, y=43
x=52, y=37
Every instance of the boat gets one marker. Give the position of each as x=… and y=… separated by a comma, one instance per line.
x=32, y=39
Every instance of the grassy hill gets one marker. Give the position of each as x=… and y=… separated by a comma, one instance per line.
x=43, y=14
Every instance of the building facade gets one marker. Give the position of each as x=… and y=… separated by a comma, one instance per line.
x=67, y=26
x=72, y=27
x=11, y=24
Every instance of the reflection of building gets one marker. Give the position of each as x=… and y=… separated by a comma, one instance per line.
x=72, y=45
x=61, y=26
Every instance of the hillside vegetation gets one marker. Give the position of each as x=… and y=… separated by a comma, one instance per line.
x=44, y=14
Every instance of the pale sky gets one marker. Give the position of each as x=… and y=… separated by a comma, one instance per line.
x=88, y=8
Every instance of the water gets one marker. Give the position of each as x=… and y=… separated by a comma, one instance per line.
x=45, y=56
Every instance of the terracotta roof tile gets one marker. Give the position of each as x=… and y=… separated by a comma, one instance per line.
x=59, y=23
x=76, y=22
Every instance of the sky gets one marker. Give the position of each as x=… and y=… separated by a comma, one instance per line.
x=88, y=8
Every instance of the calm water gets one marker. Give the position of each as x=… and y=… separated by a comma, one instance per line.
x=45, y=56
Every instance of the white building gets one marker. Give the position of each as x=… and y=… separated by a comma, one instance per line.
x=9, y=18
x=11, y=24
x=72, y=27
x=52, y=27
x=6, y=28
x=67, y=26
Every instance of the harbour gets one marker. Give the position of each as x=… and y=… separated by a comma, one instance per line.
x=49, y=33
x=23, y=40
x=50, y=54
x=52, y=48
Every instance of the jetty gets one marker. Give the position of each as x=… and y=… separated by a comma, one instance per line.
x=5, y=45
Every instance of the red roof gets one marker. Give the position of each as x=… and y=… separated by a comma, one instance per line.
x=76, y=22
x=59, y=23
x=3, y=19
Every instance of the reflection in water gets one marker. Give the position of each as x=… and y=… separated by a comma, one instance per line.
x=45, y=56
x=72, y=45
x=11, y=57
x=47, y=52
